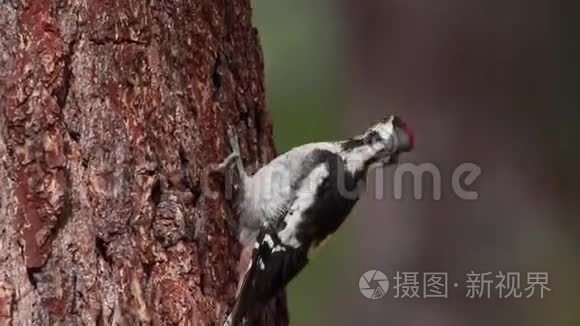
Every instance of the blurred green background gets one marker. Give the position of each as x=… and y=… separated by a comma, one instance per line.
x=490, y=83
x=305, y=95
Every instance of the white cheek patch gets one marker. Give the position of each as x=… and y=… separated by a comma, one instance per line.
x=385, y=130
x=378, y=147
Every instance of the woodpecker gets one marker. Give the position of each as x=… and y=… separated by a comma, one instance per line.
x=291, y=205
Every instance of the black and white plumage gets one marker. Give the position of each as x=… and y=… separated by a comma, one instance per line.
x=291, y=205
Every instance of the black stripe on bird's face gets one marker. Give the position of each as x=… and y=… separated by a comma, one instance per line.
x=366, y=140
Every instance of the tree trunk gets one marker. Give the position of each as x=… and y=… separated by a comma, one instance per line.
x=111, y=111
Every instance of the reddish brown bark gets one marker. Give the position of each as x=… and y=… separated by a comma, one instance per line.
x=110, y=112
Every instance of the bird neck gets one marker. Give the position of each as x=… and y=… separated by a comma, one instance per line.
x=359, y=155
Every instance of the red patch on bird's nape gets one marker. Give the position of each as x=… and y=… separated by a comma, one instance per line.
x=409, y=133
x=399, y=123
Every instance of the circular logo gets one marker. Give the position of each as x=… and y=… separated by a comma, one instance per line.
x=373, y=284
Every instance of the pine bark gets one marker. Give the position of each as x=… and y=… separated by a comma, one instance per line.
x=110, y=114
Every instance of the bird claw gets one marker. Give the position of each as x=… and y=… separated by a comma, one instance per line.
x=233, y=139
x=221, y=167
x=234, y=157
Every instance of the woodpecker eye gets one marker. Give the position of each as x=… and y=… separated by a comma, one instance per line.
x=374, y=138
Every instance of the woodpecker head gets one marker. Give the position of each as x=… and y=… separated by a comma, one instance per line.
x=389, y=138
x=382, y=143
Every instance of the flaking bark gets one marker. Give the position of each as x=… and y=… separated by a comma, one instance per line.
x=110, y=113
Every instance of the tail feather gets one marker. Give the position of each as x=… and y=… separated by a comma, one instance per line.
x=272, y=266
x=243, y=301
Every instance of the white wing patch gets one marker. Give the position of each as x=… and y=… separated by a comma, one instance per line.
x=305, y=197
x=266, y=192
x=278, y=248
x=269, y=240
x=261, y=264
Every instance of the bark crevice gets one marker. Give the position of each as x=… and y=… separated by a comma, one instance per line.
x=112, y=113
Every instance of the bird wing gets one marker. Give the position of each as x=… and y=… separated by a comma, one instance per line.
x=281, y=249
x=272, y=267
x=278, y=255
